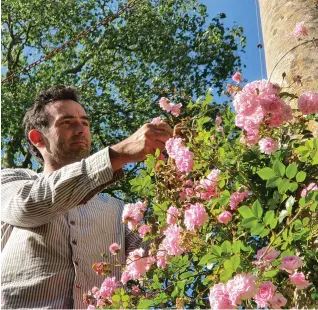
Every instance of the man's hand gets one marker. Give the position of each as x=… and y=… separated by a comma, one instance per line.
x=144, y=141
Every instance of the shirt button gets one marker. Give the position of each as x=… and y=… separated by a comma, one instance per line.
x=74, y=242
x=72, y=222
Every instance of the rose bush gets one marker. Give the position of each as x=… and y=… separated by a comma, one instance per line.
x=229, y=209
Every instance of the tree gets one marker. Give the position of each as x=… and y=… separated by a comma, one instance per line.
x=156, y=48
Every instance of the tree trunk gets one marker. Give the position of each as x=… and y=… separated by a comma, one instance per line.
x=279, y=18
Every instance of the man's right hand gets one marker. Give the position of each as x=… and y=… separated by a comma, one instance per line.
x=144, y=141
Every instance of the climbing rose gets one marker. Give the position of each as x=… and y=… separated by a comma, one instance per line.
x=237, y=197
x=219, y=297
x=114, y=248
x=184, y=160
x=269, y=256
x=237, y=77
x=195, y=216
x=308, y=103
x=265, y=294
x=268, y=146
x=108, y=287
x=133, y=213
x=298, y=278
x=176, y=109
x=214, y=174
x=156, y=120
x=172, y=216
x=161, y=256
x=242, y=286
x=164, y=103
x=172, y=146
x=225, y=217
x=310, y=187
x=290, y=263
x=136, y=266
x=278, y=301
x=172, y=239
x=143, y=230
x=300, y=30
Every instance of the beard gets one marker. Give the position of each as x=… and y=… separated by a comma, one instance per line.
x=66, y=153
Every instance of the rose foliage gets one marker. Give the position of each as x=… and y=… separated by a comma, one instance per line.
x=229, y=208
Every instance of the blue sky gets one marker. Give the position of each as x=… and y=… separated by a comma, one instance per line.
x=243, y=13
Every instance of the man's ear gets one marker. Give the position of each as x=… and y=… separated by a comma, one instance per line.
x=36, y=138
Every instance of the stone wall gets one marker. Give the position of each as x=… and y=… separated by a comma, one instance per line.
x=279, y=18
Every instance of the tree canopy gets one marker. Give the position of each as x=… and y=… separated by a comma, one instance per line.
x=156, y=48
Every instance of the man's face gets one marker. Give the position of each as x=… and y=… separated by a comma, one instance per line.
x=68, y=137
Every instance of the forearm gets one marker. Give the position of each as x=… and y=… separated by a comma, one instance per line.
x=33, y=201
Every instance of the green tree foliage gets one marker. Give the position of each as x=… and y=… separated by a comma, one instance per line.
x=157, y=48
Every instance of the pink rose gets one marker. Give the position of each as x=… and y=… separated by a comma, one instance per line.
x=298, y=278
x=268, y=146
x=290, y=263
x=308, y=103
x=172, y=216
x=265, y=294
x=171, y=243
x=114, y=248
x=278, y=301
x=237, y=77
x=108, y=287
x=164, y=103
x=225, y=217
x=195, y=216
x=300, y=30
x=242, y=286
x=176, y=109
x=310, y=187
x=156, y=120
x=143, y=230
x=269, y=256
x=219, y=297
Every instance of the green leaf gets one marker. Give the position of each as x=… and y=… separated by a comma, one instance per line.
x=144, y=303
x=273, y=223
x=257, y=229
x=291, y=171
x=270, y=273
x=246, y=212
x=257, y=209
x=236, y=247
x=269, y=216
x=273, y=182
x=284, y=186
x=125, y=298
x=265, y=233
x=226, y=246
x=279, y=168
x=235, y=261
x=266, y=173
x=116, y=298
x=207, y=258
x=226, y=275
x=216, y=250
x=300, y=176
x=249, y=223
x=293, y=186
x=187, y=274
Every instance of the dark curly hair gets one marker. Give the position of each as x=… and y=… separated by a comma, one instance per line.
x=37, y=118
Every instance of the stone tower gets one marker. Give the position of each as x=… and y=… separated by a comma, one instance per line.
x=279, y=18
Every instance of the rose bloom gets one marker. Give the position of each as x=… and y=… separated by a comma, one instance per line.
x=195, y=216
x=269, y=256
x=237, y=77
x=164, y=103
x=265, y=294
x=298, y=278
x=308, y=103
x=219, y=297
x=108, y=287
x=172, y=215
x=176, y=109
x=171, y=242
x=278, y=301
x=268, y=146
x=300, y=30
x=290, y=263
x=114, y=248
x=143, y=230
x=225, y=217
x=242, y=286
x=156, y=120
x=310, y=187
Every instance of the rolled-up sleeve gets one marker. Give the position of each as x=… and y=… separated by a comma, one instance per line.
x=30, y=200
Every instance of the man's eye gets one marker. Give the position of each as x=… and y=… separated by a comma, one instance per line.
x=66, y=122
x=85, y=123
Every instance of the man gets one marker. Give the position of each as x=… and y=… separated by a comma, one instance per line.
x=54, y=226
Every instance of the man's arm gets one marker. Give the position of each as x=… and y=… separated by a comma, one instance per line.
x=30, y=201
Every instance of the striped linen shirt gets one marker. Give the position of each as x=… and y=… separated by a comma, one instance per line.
x=54, y=228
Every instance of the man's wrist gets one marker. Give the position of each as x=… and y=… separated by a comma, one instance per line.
x=116, y=158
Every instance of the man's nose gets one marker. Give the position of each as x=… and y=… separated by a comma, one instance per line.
x=79, y=128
